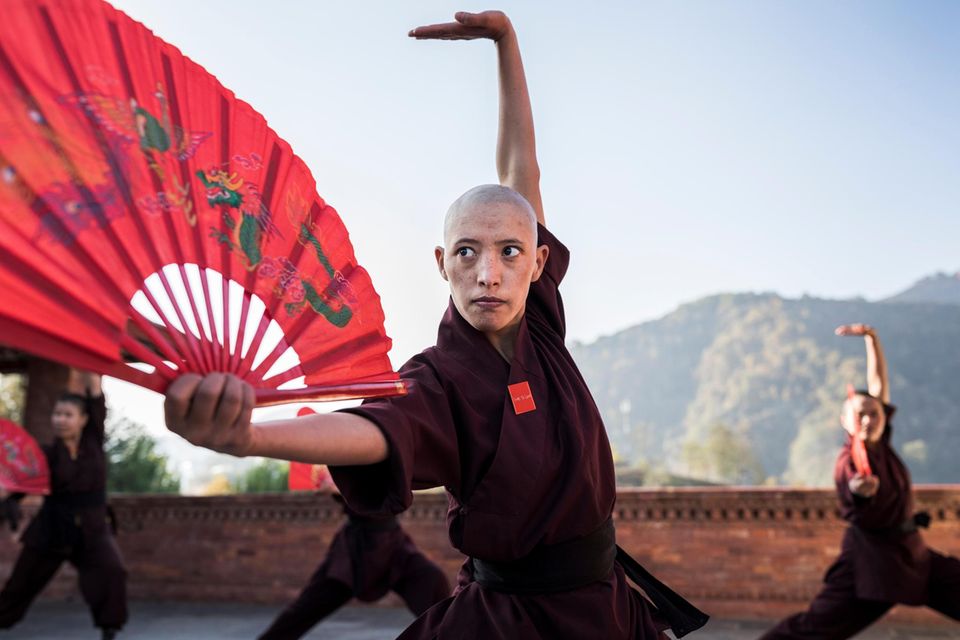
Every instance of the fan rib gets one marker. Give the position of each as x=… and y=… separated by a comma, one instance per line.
x=175, y=115
x=225, y=354
x=348, y=391
x=247, y=363
x=266, y=195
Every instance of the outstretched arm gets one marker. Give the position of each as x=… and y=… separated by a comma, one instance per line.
x=877, y=378
x=517, y=165
x=214, y=412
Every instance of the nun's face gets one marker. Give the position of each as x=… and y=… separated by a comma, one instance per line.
x=866, y=413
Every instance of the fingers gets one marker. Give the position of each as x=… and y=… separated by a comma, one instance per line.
x=468, y=26
x=178, y=398
x=213, y=411
x=230, y=401
x=246, y=411
x=445, y=31
x=858, y=329
x=207, y=398
x=865, y=486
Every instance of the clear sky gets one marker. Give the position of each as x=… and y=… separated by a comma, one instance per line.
x=686, y=148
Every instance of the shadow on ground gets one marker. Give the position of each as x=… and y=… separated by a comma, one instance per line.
x=201, y=621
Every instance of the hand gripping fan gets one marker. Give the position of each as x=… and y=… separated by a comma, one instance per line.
x=858, y=450
x=151, y=224
x=309, y=477
x=23, y=467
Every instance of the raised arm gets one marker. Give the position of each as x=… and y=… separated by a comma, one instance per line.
x=517, y=165
x=84, y=383
x=877, y=378
x=214, y=412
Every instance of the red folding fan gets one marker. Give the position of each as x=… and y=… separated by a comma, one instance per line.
x=309, y=477
x=151, y=223
x=23, y=467
x=858, y=450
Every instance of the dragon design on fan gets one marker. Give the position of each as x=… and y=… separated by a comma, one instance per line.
x=153, y=224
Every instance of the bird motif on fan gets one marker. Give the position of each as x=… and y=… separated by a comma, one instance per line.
x=153, y=224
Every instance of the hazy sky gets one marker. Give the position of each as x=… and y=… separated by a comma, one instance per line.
x=686, y=148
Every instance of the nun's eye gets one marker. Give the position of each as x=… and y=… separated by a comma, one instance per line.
x=511, y=252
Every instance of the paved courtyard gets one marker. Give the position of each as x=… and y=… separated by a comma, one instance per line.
x=194, y=621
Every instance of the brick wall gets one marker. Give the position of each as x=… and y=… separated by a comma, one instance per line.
x=737, y=553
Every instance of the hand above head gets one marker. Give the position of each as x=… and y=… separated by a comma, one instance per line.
x=468, y=26
x=854, y=330
x=212, y=411
x=84, y=383
x=864, y=486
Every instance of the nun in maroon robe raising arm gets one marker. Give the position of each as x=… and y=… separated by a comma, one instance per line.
x=883, y=559
x=73, y=524
x=497, y=413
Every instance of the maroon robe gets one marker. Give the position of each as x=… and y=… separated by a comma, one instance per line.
x=883, y=559
x=72, y=526
x=888, y=564
x=368, y=557
x=56, y=528
x=514, y=481
x=371, y=555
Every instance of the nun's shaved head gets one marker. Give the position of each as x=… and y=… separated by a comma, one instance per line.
x=486, y=198
x=491, y=258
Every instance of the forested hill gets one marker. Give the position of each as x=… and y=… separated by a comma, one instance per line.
x=748, y=387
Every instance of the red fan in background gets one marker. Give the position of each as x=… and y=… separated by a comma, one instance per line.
x=309, y=477
x=858, y=449
x=149, y=216
x=23, y=467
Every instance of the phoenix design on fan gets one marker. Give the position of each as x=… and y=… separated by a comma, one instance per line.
x=246, y=222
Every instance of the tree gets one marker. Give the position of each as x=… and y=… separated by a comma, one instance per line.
x=135, y=466
x=13, y=392
x=723, y=455
x=267, y=476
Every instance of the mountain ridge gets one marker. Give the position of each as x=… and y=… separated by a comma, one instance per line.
x=768, y=372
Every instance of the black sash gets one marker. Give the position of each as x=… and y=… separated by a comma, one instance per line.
x=80, y=500
x=682, y=616
x=553, y=568
x=919, y=520
x=577, y=563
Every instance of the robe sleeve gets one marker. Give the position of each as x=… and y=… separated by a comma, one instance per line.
x=97, y=418
x=844, y=469
x=422, y=442
x=544, y=302
x=855, y=509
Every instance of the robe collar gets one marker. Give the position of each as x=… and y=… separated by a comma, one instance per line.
x=459, y=338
